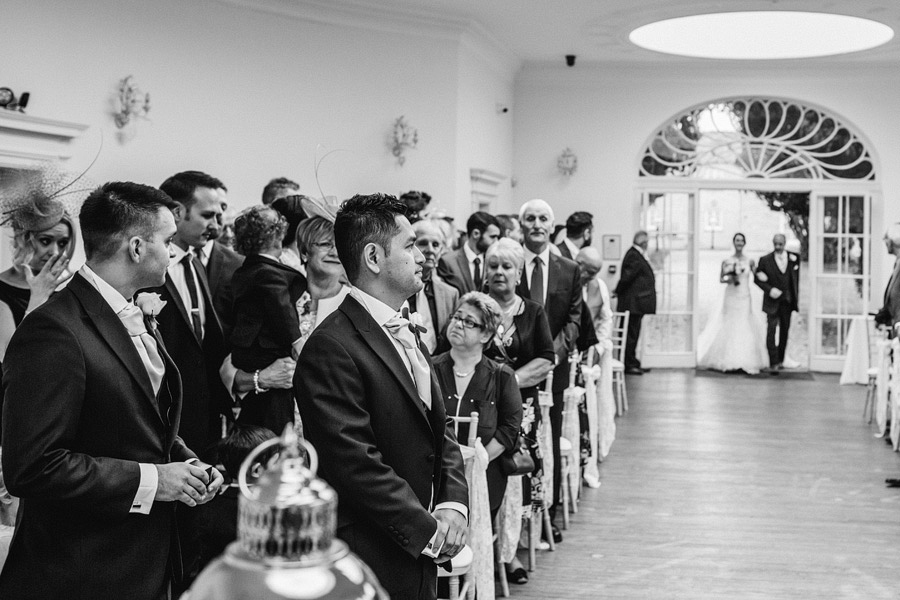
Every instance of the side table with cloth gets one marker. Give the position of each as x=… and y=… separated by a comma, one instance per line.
x=856, y=361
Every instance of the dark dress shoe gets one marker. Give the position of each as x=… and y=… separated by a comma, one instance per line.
x=518, y=576
x=892, y=483
x=634, y=371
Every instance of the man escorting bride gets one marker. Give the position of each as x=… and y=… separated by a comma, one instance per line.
x=732, y=340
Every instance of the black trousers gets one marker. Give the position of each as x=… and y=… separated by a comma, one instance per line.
x=781, y=321
x=556, y=420
x=631, y=340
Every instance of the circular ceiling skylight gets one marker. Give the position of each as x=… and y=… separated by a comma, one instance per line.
x=762, y=35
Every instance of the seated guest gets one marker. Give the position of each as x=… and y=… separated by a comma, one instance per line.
x=266, y=323
x=279, y=188
x=436, y=300
x=464, y=268
x=99, y=467
x=216, y=521
x=472, y=382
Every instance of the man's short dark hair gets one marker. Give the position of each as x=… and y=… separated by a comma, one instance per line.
x=365, y=220
x=181, y=186
x=240, y=441
x=118, y=210
x=291, y=208
x=578, y=222
x=279, y=184
x=481, y=221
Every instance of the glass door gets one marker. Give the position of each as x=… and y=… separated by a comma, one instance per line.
x=667, y=338
x=841, y=273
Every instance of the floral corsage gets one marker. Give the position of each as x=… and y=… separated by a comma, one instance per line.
x=305, y=314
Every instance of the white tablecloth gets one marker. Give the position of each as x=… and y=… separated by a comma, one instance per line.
x=856, y=361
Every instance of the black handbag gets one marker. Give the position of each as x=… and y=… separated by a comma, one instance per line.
x=518, y=462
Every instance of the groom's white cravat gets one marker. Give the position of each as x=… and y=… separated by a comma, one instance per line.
x=781, y=259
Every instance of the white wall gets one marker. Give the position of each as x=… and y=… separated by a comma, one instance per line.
x=606, y=113
x=247, y=95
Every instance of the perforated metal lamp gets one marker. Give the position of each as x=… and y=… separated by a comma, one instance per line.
x=286, y=547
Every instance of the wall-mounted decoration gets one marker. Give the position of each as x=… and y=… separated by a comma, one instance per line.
x=404, y=137
x=567, y=163
x=132, y=102
x=9, y=101
x=612, y=247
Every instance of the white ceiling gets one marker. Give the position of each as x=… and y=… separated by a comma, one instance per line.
x=541, y=31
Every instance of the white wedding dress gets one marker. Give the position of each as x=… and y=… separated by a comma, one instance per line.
x=733, y=338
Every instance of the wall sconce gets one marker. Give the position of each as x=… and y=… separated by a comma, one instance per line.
x=567, y=163
x=404, y=137
x=132, y=102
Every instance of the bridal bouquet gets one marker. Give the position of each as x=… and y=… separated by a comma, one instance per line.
x=730, y=272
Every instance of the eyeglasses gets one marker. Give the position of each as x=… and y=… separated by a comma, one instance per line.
x=466, y=322
x=324, y=246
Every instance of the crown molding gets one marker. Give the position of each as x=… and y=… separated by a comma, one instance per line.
x=369, y=15
x=25, y=139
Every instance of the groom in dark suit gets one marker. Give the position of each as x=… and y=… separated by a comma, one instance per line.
x=372, y=407
x=90, y=421
x=778, y=274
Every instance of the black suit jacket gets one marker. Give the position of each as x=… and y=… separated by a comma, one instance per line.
x=564, y=251
x=563, y=309
x=205, y=396
x=384, y=454
x=890, y=311
x=636, y=290
x=79, y=416
x=223, y=262
x=453, y=268
x=788, y=282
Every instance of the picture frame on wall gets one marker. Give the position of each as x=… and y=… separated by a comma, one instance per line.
x=612, y=247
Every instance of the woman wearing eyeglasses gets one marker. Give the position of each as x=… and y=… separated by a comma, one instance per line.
x=472, y=382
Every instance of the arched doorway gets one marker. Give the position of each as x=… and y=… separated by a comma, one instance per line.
x=797, y=159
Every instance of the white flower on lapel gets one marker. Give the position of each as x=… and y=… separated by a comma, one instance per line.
x=792, y=257
x=150, y=304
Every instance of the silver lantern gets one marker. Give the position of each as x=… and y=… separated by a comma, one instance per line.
x=285, y=546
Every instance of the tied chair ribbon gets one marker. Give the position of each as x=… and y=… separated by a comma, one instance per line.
x=401, y=330
x=133, y=319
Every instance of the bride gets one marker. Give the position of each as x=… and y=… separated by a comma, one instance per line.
x=733, y=339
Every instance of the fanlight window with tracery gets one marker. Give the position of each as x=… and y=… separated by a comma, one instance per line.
x=757, y=138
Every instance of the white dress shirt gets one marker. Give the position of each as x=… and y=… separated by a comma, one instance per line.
x=781, y=259
x=529, y=267
x=382, y=313
x=149, y=482
x=176, y=272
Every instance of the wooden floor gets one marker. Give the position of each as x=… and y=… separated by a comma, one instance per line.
x=720, y=488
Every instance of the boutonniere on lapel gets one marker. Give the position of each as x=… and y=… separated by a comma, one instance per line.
x=150, y=304
x=792, y=257
x=416, y=325
x=304, y=313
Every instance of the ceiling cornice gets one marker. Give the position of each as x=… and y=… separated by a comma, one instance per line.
x=368, y=15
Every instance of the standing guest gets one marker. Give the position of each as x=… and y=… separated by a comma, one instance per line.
x=889, y=315
x=778, y=275
x=43, y=243
x=464, y=268
x=579, y=228
x=226, y=238
x=436, y=301
x=371, y=403
x=525, y=345
x=279, y=187
x=267, y=324
x=416, y=203
x=473, y=382
x=192, y=331
x=220, y=262
x=291, y=208
x=510, y=228
x=555, y=283
x=100, y=467
x=636, y=293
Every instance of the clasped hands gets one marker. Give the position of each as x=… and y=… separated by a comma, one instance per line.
x=452, y=531
x=187, y=483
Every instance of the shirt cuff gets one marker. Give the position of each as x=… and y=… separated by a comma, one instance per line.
x=143, y=499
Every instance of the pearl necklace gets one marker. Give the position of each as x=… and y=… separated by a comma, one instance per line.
x=462, y=375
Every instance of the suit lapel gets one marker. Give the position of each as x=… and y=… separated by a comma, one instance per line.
x=463, y=263
x=377, y=339
x=179, y=303
x=553, y=276
x=113, y=332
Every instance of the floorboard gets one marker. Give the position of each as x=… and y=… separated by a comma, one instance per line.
x=734, y=487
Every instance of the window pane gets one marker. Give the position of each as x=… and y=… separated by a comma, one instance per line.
x=674, y=292
x=667, y=333
x=828, y=336
x=830, y=214
x=829, y=255
x=829, y=296
x=852, y=296
x=851, y=255
x=855, y=215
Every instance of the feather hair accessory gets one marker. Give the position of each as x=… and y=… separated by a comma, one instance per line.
x=35, y=199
